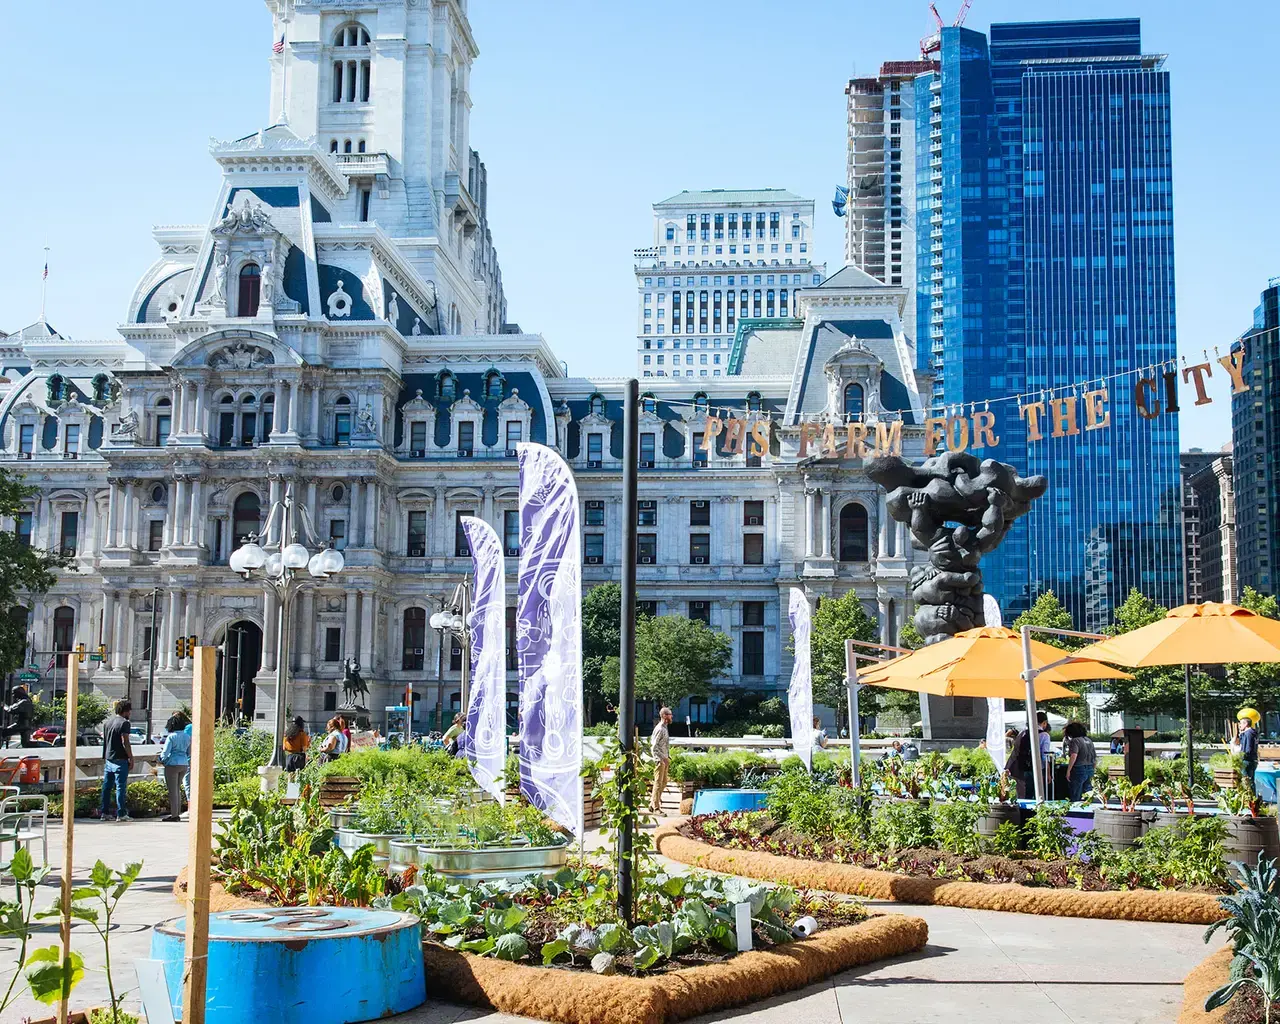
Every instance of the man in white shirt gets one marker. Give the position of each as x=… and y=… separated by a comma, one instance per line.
x=660, y=746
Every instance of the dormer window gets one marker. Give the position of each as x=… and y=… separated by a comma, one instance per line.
x=700, y=404
x=853, y=400
x=493, y=385
x=250, y=288
x=447, y=387
x=351, y=75
x=647, y=404
x=597, y=405
x=753, y=401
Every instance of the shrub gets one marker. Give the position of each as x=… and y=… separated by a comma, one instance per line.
x=92, y=710
x=432, y=772
x=900, y=826
x=238, y=753
x=1047, y=833
x=970, y=762
x=1173, y=773
x=955, y=827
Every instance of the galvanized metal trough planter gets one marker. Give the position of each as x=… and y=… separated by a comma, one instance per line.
x=489, y=862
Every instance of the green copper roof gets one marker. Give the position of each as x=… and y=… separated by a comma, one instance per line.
x=722, y=196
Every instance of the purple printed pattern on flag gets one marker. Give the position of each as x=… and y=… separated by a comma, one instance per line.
x=800, y=696
x=549, y=637
x=484, y=739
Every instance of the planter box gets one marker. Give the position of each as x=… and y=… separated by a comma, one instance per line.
x=338, y=789
x=341, y=819
x=995, y=816
x=494, y=862
x=1249, y=838
x=674, y=796
x=1225, y=778
x=1120, y=828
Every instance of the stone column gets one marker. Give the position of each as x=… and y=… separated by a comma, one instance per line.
x=371, y=513
x=487, y=510
x=882, y=533
x=120, y=640
x=306, y=631
x=195, y=524
x=201, y=413
x=113, y=513
x=367, y=600
x=349, y=631
x=170, y=631
x=313, y=509
x=188, y=620
x=313, y=428
x=808, y=521
x=274, y=492
x=91, y=519
x=176, y=409
x=826, y=523
x=354, y=535
x=270, y=617
x=439, y=525
x=130, y=517
x=294, y=388
x=108, y=619
x=176, y=528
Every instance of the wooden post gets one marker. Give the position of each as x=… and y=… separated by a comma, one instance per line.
x=200, y=812
x=68, y=821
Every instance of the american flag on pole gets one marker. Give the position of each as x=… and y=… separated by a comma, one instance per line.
x=278, y=47
x=45, y=277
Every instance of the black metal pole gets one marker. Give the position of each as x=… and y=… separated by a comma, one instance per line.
x=627, y=647
x=1186, y=599
x=151, y=662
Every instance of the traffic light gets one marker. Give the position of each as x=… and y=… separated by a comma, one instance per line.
x=102, y=652
x=193, y=642
x=182, y=646
x=80, y=653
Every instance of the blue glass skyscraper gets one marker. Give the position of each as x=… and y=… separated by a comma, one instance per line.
x=1045, y=258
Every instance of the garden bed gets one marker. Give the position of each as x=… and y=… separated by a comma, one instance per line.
x=1135, y=905
x=580, y=997
x=1196, y=986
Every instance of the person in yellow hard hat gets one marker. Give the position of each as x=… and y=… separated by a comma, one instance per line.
x=1248, y=743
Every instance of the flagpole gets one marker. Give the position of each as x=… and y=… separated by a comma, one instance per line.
x=44, y=283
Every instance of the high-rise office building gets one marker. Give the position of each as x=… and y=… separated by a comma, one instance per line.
x=1255, y=440
x=1208, y=525
x=720, y=257
x=1044, y=258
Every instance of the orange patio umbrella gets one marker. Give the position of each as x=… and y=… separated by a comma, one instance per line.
x=985, y=662
x=1194, y=634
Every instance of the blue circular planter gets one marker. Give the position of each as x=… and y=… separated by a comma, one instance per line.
x=709, y=801
x=301, y=965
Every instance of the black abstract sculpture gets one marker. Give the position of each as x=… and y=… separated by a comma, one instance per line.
x=958, y=509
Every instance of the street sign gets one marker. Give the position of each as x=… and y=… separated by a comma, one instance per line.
x=397, y=707
x=95, y=656
x=34, y=668
x=29, y=677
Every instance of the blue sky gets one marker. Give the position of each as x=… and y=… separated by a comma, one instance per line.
x=586, y=113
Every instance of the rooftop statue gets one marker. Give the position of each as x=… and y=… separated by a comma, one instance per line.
x=957, y=509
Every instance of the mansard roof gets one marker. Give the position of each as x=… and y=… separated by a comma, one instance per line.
x=724, y=196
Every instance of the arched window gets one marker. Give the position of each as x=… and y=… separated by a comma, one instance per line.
x=853, y=533
x=351, y=70
x=446, y=386
x=493, y=385
x=351, y=35
x=853, y=400
x=753, y=401
x=648, y=404
x=700, y=404
x=360, y=146
x=597, y=405
x=415, y=639
x=346, y=146
x=246, y=516
x=333, y=145
x=64, y=630
x=342, y=421
x=250, y=286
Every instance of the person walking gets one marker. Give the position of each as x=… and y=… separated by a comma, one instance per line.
x=296, y=743
x=175, y=755
x=451, y=738
x=344, y=727
x=1082, y=759
x=117, y=762
x=819, y=736
x=19, y=716
x=660, y=747
x=1019, y=763
x=1248, y=746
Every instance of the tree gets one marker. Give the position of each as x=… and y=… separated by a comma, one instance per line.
x=1255, y=684
x=601, y=634
x=836, y=620
x=675, y=658
x=1151, y=691
x=1048, y=611
x=24, y=571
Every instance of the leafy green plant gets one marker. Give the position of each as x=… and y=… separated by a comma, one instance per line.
x=95, y=904
x=955, y=827
x=238, y=753
x=1047, y=833
x=1253, y=930
x=900, y=826
x=1007, y=838
x=16, y=917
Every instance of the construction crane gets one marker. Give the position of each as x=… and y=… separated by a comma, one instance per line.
x=930, y=45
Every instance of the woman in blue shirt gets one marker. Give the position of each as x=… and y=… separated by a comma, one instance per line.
x=175, y=755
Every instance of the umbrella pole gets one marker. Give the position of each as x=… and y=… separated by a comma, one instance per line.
x=1191, y=748
x=855, y=740
x=1029, y=674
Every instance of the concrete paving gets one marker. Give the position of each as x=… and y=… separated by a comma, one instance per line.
x=988, y=967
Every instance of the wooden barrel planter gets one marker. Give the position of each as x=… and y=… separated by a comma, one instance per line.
x=1249, y=838
x=337, y=790
x=1121, y=829
x=996, y=815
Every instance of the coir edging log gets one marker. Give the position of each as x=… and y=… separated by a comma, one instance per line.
x=1137, y=905
x=1196, y=986
x=580, y=997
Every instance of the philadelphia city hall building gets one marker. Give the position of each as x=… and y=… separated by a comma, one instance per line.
x=336, y=330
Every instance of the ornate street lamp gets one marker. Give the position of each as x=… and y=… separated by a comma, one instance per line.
x=453, y=621
x=278, y=564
